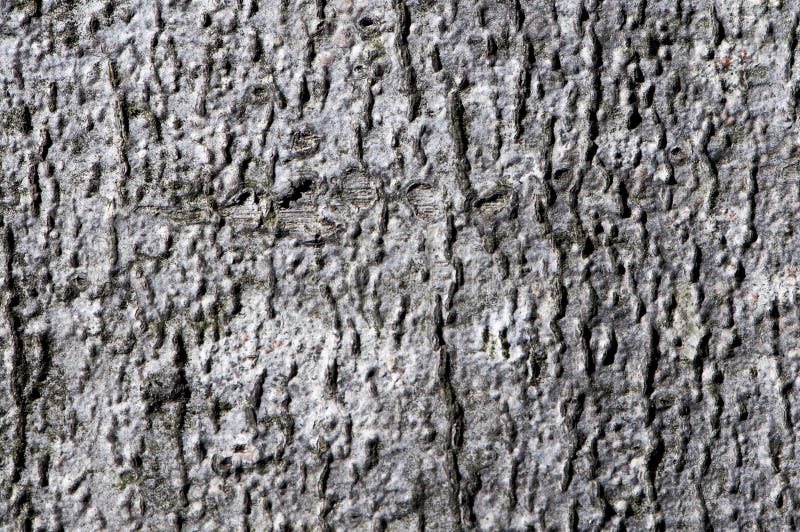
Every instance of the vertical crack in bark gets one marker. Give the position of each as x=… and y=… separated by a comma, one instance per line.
x=454, y=414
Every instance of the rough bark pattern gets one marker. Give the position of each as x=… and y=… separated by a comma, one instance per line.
x=398, y=264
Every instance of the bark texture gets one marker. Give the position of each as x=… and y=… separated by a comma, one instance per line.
x=399, y=264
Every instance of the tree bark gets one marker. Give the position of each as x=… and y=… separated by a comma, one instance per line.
x=362, y=265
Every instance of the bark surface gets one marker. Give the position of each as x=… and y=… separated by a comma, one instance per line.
x=399, y=264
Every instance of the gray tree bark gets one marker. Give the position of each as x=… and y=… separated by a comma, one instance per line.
x=399, y=264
